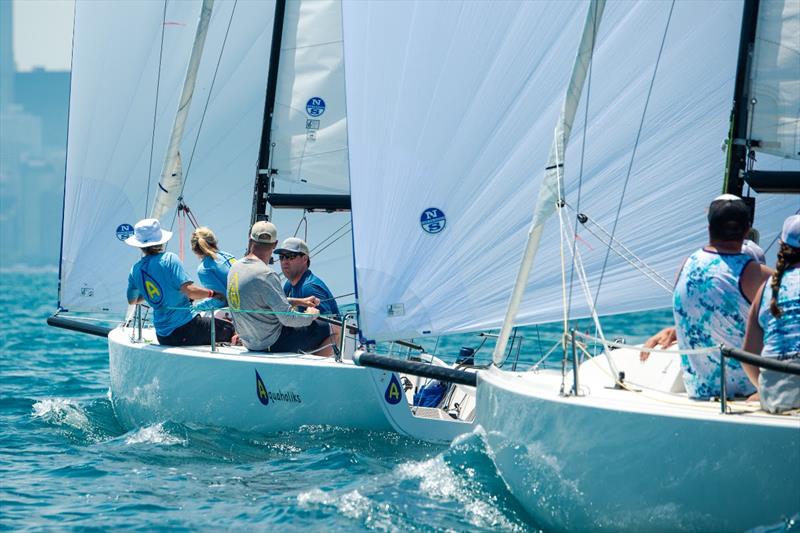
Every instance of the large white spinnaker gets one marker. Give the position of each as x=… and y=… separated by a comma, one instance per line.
x=171, y=183
x=552, y=188
x=125, y=88
x=450, y=112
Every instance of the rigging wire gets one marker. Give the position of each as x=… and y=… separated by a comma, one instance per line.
x=583, y=154
x=635, y=146
x=155, y=111
x=205, y=107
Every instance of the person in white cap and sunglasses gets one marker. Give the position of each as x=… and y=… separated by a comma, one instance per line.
x=711, y=301
x=263, y=316
x=160, y=280
x=773, y=327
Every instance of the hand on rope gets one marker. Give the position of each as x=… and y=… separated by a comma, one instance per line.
x=664, y=338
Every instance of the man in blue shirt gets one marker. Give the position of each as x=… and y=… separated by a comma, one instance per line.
x=300, y=281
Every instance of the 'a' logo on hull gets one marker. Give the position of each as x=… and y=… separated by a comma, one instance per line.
x=394, y=392
x=261, y=390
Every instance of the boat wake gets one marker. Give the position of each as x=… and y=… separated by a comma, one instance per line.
x=458, y=485
x=155, y=434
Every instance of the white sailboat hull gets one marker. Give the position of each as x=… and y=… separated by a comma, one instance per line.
x=192, y=385
x=615, y=459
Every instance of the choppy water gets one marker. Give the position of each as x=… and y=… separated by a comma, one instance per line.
x=66, y=463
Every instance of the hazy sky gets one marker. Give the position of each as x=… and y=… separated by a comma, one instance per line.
x=42, y=33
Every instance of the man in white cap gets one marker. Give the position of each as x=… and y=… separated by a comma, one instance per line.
x=263, y=316
x=773, y=327
x=160, y=280
x=300, y=281
x=711, y=301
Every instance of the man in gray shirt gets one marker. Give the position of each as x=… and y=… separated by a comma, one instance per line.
x=262, y=315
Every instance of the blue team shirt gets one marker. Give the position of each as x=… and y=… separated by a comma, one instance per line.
x=158, y=278
x=213, y=274
x=311, y=285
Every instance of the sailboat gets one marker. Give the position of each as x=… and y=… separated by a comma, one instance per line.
x=453, y=106
x=206, y=59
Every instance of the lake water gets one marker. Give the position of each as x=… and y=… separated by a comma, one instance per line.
x=67, y=464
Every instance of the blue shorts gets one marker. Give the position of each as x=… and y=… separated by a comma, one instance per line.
x=305, y=339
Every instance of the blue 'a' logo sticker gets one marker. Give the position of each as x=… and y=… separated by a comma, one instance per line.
x=432, y=220
x=394, y=392
x=315, y=106
x=152, y=290
x=261, y=390
x=124, y=231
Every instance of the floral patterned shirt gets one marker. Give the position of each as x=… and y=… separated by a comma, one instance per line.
x=710, y=309
x=782, y=335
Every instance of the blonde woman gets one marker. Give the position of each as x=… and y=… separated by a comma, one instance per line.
x=213, y=268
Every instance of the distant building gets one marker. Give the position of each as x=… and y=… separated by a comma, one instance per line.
x=33, y=136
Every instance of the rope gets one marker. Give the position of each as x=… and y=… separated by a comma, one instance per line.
x=635, y=146
x=615, y=344
x=155, y=110
x=631, y=258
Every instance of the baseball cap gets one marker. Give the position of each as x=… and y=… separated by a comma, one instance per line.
x=791, y=231
x=293, y=245
x=728, y=216
x=264, y=232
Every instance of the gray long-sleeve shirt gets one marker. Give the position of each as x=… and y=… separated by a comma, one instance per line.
x=254, y=286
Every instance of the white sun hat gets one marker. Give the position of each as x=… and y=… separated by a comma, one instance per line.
x=148, y=233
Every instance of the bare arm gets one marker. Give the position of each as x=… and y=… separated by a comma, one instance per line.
x=754, y=337
x=664, y=338
x=753, y=278
x=196, y=292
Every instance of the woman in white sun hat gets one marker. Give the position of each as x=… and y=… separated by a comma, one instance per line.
x=160, y=280
x=773, y=327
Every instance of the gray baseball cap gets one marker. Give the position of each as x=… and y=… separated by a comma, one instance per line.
x=292, y=245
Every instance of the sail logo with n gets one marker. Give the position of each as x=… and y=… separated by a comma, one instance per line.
x=315, y=106
x=432, y=220
x=394, y=392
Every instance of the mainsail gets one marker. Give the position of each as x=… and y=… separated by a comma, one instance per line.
x=451, y=108
x=114, y=124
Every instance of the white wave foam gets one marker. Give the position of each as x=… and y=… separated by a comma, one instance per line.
x=155, y=434
x=61, y=411
x=351, y=504
x=438, y=481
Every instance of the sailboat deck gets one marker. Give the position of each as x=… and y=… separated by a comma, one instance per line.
x=652, y=387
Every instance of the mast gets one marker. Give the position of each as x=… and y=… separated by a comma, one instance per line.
x=742, y=141
x=737, y=142
x=171, y=182
x=264, y=171
x=551, y=191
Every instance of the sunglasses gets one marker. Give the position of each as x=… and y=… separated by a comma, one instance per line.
x=289, y=257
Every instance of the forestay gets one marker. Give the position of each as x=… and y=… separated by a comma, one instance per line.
x=451, y=110
x=111, y=178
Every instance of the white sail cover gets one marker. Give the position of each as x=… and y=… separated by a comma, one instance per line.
x=111, y=177
x=451, y=112
x=775, y=79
